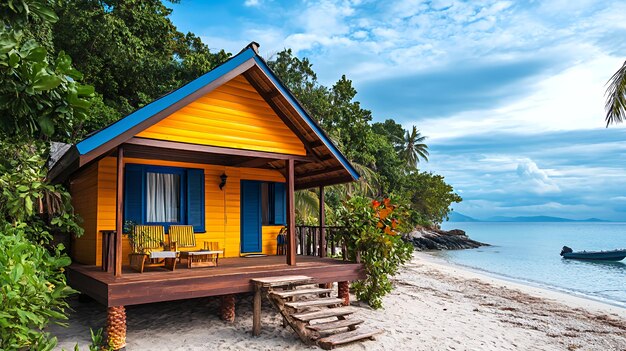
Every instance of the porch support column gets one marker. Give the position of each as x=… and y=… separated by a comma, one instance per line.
x=323, y=249
x=119, y=212
x=343, y=292
x=116, y=327
x=227, y=308
x=291, y=213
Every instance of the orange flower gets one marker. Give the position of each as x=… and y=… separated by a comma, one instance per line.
x=384, y=213
x=394, y=223
x=389, y=231
x=375, y=204
x=380, y=225
x=386, y=201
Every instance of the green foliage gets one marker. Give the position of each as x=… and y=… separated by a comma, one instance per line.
x=616, y=97
x=26, y=197
x=307, y=206
x=32, y=290
x=130, y=51
x=413, y=148
x=98, y=341
x=371, y=236
x=40, y=96
x=40, y=99
x=429, y=197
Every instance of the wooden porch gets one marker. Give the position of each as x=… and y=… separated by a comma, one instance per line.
x=232, y=276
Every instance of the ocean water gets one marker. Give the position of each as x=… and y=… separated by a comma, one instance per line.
x=529, y=252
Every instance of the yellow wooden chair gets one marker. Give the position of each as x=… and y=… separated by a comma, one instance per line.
x=148, y=245
x=182, y=237
x=214, y=248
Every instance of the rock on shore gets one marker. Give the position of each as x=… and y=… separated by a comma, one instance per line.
x=436, y=239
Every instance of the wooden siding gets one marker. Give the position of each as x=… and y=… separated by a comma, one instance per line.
x=222, y=208
x=85, y=194
x=233, y=115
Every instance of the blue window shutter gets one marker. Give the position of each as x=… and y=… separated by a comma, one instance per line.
x=195, y=199
x=134, y=193
x=280, y=204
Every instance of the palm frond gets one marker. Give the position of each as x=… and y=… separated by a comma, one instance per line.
x=413, y=148
x=306, y=203
x=616, y=97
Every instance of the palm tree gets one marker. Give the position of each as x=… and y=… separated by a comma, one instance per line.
x=307, y=205
x=616, y=97
x=413, y=148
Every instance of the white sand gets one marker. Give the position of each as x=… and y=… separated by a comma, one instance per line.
x=435, y=306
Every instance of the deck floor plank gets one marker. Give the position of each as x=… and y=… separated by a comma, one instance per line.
x=232, y=276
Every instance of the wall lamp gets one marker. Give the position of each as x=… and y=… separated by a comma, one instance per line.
x=223, y=177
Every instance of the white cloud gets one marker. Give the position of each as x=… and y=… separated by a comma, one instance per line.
x=250, y=3
x=570, y=100
x=539, y=179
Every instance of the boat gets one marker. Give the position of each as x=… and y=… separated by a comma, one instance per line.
x=611, y=255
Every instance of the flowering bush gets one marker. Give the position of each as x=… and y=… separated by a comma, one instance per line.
x=372, y=238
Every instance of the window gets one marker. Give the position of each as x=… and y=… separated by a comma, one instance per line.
x=164, y=196
x=273, y=203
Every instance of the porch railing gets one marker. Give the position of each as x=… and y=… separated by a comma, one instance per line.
x=309, y=241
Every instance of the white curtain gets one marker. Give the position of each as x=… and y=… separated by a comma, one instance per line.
x=163, y=197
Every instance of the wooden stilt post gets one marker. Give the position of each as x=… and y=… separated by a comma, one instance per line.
x=119, y=213
x=256, y=311
x=291, y=214
x=343, y=292
x=116, y=327
x=227, y=308
x=323, y=249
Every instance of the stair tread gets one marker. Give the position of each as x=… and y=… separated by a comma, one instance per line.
x=347, y=337
x=327, y=301
x=325, y=313
x=301, y=292
x=269, y=282
x=344, y=323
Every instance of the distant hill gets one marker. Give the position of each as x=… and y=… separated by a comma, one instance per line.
x=539, y=219
x=459, y=217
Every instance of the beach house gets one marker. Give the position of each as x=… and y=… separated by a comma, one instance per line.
x=215, y=163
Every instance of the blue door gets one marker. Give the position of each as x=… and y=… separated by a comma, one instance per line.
x=250, y=216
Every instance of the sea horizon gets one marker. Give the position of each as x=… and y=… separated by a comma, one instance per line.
x=528, y=253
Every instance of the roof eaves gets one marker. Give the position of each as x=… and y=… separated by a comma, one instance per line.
x=307, y=118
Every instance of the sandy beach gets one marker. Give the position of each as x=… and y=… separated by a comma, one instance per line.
x=435, y=306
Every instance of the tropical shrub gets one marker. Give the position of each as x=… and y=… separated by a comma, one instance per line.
x=26, y=197
x=32, y=290
x=371, y=237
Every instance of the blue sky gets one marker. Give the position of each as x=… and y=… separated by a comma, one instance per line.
x=510, y=93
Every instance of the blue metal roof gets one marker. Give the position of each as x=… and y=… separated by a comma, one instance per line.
x=109, y=133
x=92, y=142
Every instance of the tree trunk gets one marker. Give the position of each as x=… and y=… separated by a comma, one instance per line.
x=343, y=292
x=116, y=327
x=227, y=309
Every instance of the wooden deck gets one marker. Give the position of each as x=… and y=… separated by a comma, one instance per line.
x=232, y=276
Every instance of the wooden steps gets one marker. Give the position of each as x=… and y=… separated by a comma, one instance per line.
x=325, y=302
x=325, y=313
x=334, y=325
x=302, y=305
x=301, y=292
x=332, y=341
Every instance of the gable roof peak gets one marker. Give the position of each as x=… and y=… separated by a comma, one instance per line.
x=254, y=46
